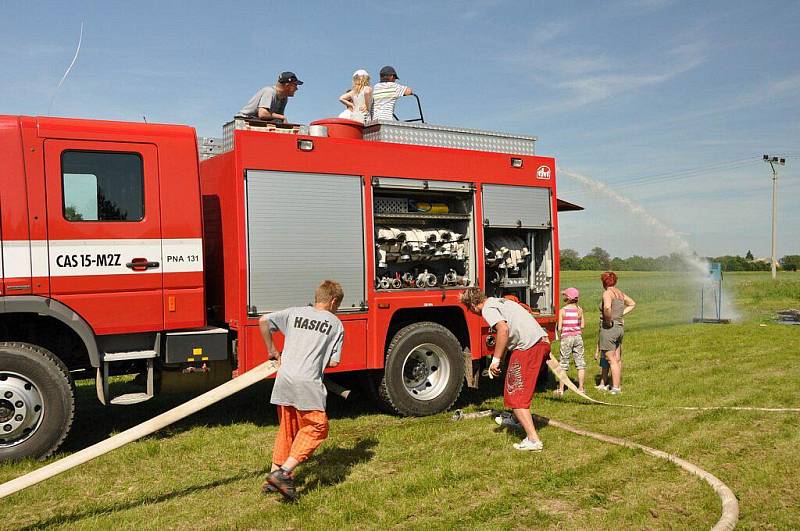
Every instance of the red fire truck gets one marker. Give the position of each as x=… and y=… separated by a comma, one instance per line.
x=123, y=252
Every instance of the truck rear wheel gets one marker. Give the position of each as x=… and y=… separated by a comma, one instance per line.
x=424, y=371
x=37, y=401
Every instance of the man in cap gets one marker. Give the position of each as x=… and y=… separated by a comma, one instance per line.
x=386, y=93
x=269, y=103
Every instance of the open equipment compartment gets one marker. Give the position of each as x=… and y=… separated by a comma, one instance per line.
x=423, y=234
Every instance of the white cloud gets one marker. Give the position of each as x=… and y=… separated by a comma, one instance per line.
x=638, y=7
x=581, y=86
x=477, y=8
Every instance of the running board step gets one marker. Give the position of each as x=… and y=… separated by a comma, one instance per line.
x=101, y=379
x=130, y=398
x=132, y=355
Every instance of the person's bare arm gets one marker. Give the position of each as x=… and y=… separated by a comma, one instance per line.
x=583, y=322
x=408, y=91
x=347, y=99
x=560, y=322
x=630, y=304
x=500, y=345
x=501, y=339
x=266, y=114
x=266, y=333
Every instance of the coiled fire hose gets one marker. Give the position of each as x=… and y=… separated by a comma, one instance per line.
x=194, y=405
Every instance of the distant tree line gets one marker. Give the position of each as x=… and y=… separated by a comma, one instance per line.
x=598, y=259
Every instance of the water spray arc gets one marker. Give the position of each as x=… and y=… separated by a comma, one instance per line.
x=698, y=267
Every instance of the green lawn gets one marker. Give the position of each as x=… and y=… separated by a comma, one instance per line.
x=378, y=471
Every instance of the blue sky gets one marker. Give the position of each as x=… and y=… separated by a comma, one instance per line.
x=668, y=103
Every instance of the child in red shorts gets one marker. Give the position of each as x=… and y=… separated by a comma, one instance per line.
x=518, y=332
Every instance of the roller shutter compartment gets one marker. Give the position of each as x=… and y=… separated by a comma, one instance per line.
x=303, y=228
x=516, y=206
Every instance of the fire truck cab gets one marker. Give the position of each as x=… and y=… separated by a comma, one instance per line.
x=125, y=253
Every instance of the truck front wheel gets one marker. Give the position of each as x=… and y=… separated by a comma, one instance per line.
x=424, y=370
x=37, y=401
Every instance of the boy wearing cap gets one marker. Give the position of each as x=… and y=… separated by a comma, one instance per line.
x=386, y=93
x=518, y=332
x=570, y=325
x=269, y=103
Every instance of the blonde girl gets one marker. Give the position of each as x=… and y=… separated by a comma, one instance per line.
x=358, y=99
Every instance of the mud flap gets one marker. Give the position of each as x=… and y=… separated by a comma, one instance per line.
x=472, y=370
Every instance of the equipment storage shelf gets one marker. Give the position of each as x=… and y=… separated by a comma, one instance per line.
x=423, y=235
x=422, y=215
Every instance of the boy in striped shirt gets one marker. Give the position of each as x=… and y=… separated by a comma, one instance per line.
x=386, y=93
x=570, y=324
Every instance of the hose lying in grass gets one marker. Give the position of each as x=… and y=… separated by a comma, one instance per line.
x=730, y=507
x=146, y=428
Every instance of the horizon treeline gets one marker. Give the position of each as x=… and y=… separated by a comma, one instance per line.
x=599, y=259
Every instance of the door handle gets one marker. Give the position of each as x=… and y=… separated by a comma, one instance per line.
x=141, y=264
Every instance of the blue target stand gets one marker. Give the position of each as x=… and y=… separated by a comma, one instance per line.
x=711, y=297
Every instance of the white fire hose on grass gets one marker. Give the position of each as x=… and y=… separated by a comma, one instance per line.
x=730, y=506
x=194, y=405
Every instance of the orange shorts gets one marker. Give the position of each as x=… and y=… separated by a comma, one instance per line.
x=300, y=433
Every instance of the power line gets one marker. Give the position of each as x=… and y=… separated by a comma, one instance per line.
x=685, y=173
x=681, y=174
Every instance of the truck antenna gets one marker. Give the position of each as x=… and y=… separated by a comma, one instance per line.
x=75, y=58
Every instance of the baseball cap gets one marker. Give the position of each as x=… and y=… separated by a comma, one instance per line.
x=360, y=72
x=388, y=71
x=571, y=293
x=288, y=77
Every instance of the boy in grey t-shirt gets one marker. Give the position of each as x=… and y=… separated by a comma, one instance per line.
x=313, y=341
x=517, y=333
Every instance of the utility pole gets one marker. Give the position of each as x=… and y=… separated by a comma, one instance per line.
x=772, y=161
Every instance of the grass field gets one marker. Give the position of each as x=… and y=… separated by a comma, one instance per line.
x=378, y=471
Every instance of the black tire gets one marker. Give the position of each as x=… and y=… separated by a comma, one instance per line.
x=37, y=401
x=409, y=384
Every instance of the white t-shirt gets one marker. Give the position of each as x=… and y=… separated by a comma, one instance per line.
x=384, y=96
x=313, y=338
x=523, y=330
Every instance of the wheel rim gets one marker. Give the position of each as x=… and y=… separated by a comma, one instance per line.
x=426, y=371
x=21, y=409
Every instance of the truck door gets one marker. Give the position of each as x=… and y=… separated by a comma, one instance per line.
x=104, y=233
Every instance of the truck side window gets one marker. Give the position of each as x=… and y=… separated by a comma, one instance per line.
x=102, y=186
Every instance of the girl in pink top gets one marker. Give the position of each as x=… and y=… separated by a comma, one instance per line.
x=570, y=325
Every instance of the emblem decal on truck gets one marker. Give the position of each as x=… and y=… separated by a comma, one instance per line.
x=543, y=172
